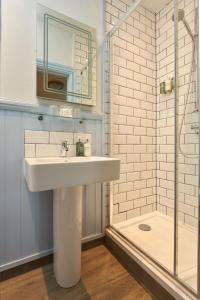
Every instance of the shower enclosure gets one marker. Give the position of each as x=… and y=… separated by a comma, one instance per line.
x=153, y=127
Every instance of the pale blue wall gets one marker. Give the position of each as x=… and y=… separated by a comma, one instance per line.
x=26, y=218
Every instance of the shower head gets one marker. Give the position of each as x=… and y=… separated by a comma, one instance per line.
x=181, y=17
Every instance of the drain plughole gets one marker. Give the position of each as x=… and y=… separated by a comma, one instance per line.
x=144, y=227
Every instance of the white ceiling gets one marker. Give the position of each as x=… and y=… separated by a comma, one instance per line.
x=154, y=5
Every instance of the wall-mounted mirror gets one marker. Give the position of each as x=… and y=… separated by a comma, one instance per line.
x=66, y=58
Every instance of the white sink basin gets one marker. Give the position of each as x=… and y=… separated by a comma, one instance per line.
x=65, y=176
x=44, y=174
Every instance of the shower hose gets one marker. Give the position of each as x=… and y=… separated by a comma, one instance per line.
x=192, y=69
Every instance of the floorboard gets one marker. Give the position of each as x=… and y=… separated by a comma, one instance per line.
x=102, y=278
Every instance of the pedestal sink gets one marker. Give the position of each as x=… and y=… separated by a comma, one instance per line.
x=66, y=176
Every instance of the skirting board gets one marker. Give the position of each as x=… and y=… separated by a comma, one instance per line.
x=41, y=254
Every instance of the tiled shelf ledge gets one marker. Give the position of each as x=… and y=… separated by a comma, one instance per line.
x=53, y=111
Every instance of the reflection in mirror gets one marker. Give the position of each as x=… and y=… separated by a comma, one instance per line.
x=66, y=60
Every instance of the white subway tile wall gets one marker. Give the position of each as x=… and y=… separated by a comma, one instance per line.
x=29, y=150
x=36, y=137
x=48, y=144
x=59, y=137
x=143, y=120
x=134, y=110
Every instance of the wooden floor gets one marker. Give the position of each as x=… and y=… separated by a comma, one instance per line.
x=103, y=277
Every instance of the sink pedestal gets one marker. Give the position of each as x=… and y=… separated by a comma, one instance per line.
x=66, y=176
x=67, y=227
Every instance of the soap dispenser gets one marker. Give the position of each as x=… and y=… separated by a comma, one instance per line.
x=79, y=148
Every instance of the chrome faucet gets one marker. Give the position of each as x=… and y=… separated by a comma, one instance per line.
x=64, y=149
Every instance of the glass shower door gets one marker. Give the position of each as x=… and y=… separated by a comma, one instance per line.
x=187, y=144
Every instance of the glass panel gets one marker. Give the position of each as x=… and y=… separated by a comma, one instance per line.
x=165, y=57
x=55, y=111
x=143, y=131
x=187, y=144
